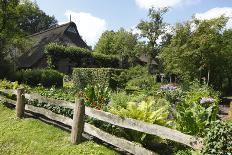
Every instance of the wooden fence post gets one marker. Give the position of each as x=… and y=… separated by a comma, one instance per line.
x=78, y=121
x=20, y=105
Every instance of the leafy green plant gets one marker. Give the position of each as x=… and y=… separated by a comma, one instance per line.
x=44, y=77
x=91, y=76
x=82, y=56
x=137, y=72
x=218, y=139
x=4, y=84
x=195, y=112
x=97, y=96
x=140, y=83
x=145, y=111
x=170, y=92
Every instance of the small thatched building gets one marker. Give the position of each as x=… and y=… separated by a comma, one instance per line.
x=66, y=34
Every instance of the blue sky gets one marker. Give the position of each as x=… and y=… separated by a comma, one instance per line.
x=95, y=16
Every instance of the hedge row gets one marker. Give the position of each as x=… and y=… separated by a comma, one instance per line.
x=91, y=76
x=80, y=56
x=44, y=77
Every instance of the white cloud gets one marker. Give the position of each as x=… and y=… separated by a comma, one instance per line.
x=217, y=12
x=89, y=26
x=146, y=4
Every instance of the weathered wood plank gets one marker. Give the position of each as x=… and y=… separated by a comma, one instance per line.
x=20, y=103
x=4, y=99
x=78, y=121
x=49, y=114
x=9, y=91
x=153, y=129
x=116, y=141
x=42, y=99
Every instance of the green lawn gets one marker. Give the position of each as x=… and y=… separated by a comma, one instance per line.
x=33, y=137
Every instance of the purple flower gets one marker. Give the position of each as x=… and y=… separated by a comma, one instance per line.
x=168, y=87
x=206, y=100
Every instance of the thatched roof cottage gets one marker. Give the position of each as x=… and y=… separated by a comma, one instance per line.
x=66, y=34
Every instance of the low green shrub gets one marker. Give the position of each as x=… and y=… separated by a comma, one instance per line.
x=218, y=139
x=146, y=111
x=91, y=76
x=81, y=56
x=44, y=77
x=171, y=92
x=141, y=83
x=6, y=69
x=4, y=84
x=197, y=108
x=97, y=96
x=137, y=72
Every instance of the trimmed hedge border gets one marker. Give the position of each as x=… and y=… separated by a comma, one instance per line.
x=92, y=76
x=80, y=56
x=45, y=77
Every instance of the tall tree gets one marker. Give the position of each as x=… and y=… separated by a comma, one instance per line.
x=195, y=51
x=32, y=19
x=152, y=30
x=120, y=43
x=10, y=34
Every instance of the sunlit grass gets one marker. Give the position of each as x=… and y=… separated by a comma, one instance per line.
x=33, y=137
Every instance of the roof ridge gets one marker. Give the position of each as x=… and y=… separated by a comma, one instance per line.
x=49, y=29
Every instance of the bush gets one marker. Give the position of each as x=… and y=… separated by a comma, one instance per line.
x=198, y=107
x=147, y=111
x=4, y=84
x=218, y=139
x=5, y=69
x=121, y=99
x=81, y=56
x=131, y=73
x=46, y=78
x=92, y=76
x=96, y=96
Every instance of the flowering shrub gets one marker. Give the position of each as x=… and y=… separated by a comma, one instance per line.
x=171, y=92
x=206, y=100
x=168, y=87
x=197, y=108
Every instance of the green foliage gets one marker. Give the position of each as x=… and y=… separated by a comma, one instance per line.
x=146, y=111
x=141, y=83
x=83, y=57
x=32, y=19
x=4, y=84
x=120, y=99
x=191, y=115
x=172, y=93
x=133, y=73
x=91, y=76
x=11, y=37
x=46, y=78
x=199, y=53
x=97, y=96
x=152, y=30
x=218, y=139
x=32, y=136
x=120, y=43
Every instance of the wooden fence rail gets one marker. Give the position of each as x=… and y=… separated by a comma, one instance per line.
x=78, y=125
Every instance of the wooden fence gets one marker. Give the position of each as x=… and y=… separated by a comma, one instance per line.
x=79, y=126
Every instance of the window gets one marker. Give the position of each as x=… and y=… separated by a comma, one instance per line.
x=72, y=30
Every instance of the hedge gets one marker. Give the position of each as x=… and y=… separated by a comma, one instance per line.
x=91, y=76
x=80, y=56
x=45, y=77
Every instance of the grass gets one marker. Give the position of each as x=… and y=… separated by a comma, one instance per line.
x=32, y=137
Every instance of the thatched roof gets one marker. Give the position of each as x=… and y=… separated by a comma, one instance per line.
x=144, y=58
x=66, y=34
